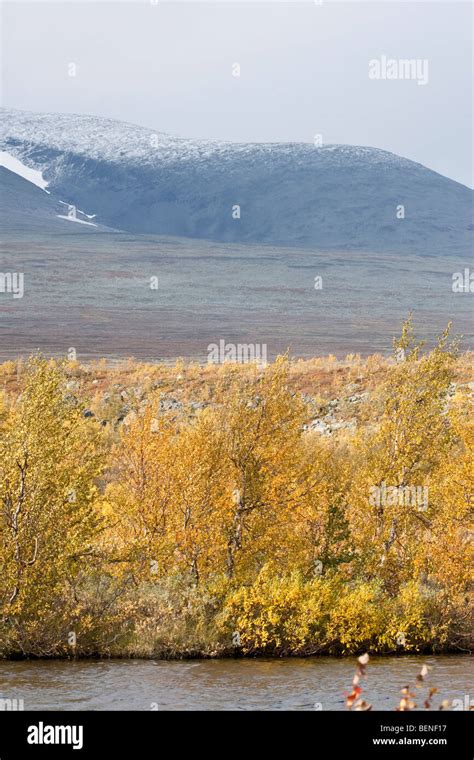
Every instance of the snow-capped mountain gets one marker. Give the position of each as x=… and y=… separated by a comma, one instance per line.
x=293, y=194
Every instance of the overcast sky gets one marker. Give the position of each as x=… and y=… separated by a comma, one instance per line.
x=304, y=70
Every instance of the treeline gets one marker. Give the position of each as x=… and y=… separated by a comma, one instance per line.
x=238, y=529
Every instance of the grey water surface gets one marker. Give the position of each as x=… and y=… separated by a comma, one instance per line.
x=230, y=684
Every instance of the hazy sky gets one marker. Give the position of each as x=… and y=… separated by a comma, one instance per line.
x=304, y=70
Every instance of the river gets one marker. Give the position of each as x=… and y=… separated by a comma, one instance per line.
x=251, y=684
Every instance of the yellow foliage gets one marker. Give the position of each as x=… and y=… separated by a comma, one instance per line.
x=172, y=526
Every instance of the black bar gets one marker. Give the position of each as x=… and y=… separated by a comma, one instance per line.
x=138, y=734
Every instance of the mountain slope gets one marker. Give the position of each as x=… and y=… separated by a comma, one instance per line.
x=139, y=180
x=24, y=207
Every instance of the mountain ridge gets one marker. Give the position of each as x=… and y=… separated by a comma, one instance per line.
x=144, y=181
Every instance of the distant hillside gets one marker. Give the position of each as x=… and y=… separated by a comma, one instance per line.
x=291, y=194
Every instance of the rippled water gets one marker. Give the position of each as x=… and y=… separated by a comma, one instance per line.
x=286, y=684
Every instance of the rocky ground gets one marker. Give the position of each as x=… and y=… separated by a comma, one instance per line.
x=340, y=395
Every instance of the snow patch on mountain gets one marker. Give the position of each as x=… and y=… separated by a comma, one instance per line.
x=15, y=165
x=72, y=215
